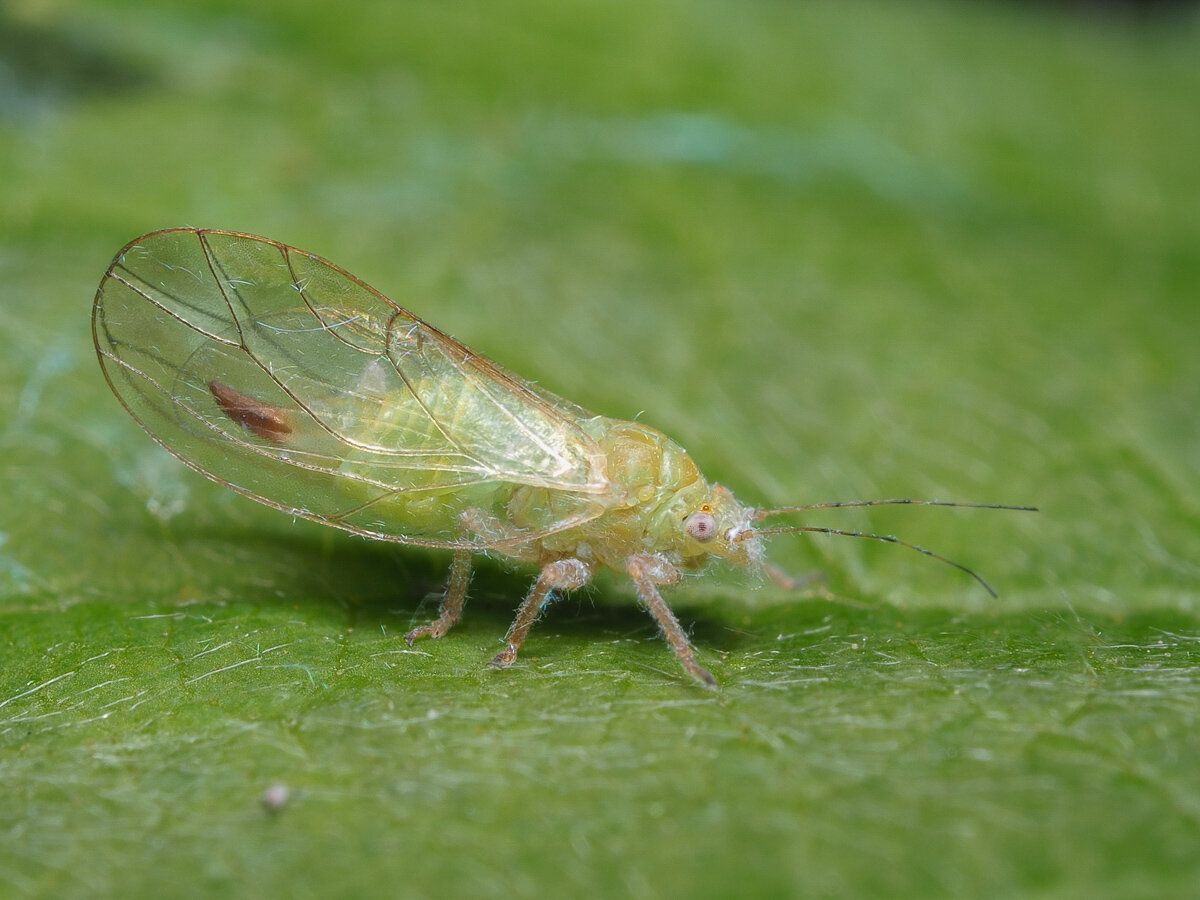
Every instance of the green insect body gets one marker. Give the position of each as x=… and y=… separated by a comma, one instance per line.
x=286, y=378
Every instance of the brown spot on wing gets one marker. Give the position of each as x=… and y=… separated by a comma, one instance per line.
x=271, y=423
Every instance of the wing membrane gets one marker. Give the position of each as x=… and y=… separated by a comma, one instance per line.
x=381, y=424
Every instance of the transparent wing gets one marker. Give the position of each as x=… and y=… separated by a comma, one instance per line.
x=286, y=378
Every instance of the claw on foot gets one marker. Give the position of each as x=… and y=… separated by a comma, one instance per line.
x=701, y=675
x=504, y=658
x=430, y=631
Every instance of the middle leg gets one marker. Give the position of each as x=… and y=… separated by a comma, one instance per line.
x=562, y=575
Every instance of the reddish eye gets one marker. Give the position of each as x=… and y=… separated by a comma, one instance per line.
x=701, y=526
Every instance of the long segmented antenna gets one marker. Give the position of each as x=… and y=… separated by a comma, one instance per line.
x=886, y=538
x=761, y=514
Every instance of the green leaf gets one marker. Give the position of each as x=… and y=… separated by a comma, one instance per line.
x=837, y=251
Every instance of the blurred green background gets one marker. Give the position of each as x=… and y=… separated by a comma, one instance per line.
x=837, y=250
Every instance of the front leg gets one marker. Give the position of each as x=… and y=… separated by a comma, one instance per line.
x=646, y=572
x=791, y=582
x=561, y=575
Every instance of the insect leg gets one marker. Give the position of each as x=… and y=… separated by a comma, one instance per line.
x=646, y=572
x=791, y=582
x=563, y=575
x=452, y=602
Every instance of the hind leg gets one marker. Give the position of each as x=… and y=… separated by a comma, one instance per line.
x=452, y=603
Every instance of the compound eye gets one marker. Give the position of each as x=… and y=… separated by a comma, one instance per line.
x=701, y=526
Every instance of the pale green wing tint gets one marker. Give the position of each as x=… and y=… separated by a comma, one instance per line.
x=382, y=425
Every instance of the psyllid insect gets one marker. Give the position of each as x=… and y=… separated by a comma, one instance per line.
x=284, y=377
